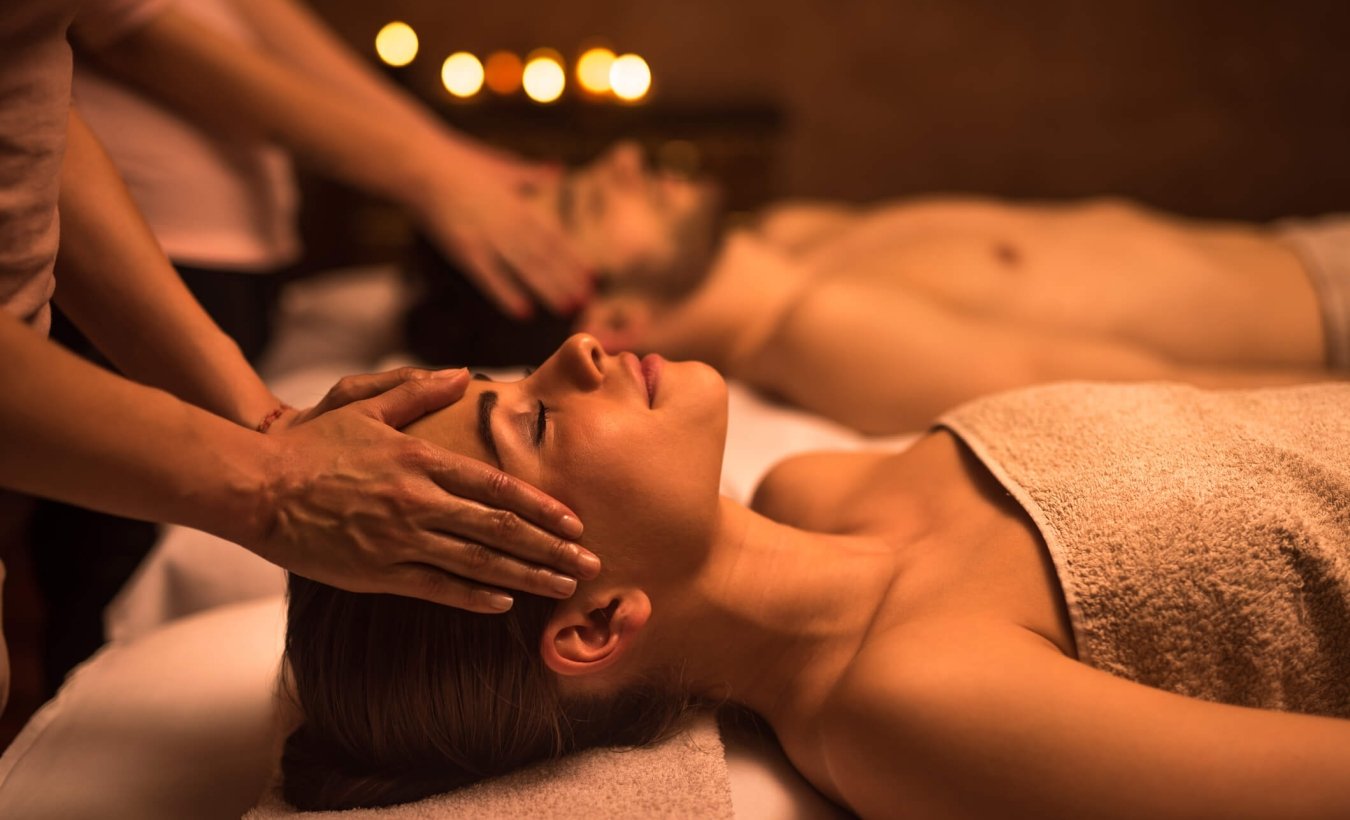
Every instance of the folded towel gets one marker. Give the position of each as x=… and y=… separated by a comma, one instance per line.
x=685, y=776
x=1202, y=539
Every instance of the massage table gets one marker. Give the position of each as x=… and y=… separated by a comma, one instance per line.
x=174, y=717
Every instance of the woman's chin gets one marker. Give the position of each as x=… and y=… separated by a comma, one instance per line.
x=693, y=384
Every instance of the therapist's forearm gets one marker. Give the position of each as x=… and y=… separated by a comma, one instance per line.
x=249, y=92
x=116, y=285
x=293, y=34
x=77, y=433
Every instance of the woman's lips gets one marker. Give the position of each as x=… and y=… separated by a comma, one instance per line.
x=651, y=374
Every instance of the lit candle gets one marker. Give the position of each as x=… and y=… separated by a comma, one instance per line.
x=593, y=70
x=544, y=78
x=396, y=43
x=630, y=77
x=462, y=74
x=503, y=72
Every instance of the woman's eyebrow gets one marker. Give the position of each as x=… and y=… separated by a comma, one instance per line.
x=486, y=401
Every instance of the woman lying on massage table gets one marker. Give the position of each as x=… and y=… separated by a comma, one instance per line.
x=1078, y=600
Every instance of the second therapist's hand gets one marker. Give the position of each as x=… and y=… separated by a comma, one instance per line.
x=478, y=210
x=354, y=503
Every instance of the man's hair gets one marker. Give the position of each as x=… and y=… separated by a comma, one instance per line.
x=403, y=699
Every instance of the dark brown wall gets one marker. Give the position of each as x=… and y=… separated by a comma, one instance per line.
x=1234, y=109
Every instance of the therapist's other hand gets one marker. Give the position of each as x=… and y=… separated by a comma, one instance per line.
x=356, y=504
x=478, y=210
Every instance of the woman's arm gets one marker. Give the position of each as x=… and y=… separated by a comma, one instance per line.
x=294, y=34
x=111, y=269
x=343, y=497
x=362, y=131
x=1008, y=727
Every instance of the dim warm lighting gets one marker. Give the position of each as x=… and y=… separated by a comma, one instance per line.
x=630, y=77
x=679, y=157
x=462, y=74
x=593, y=70
x=396, y=44
x=544, y=78
x=503, y=71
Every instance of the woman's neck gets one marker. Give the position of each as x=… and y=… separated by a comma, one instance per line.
x=776, y=614
x=734, y=311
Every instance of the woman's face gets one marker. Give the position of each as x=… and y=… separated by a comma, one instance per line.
x=633, y=446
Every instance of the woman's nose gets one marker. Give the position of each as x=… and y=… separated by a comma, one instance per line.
x=582, y=360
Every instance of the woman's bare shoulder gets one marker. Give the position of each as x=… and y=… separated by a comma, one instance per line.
x=812, y=490
x=851, y=492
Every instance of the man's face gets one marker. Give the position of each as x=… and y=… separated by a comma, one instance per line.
x=639, y=226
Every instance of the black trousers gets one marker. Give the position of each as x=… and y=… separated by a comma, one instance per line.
x=81, y=557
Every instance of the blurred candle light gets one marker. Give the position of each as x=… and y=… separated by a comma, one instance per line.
x=630, y=77
x=593, y=69
x=462, y=74
x=396, y=44
x=544, y=78
x=503, y=72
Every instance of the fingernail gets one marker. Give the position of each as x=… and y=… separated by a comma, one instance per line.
x=589, y=563
x=448, y=372
x=499, y=602
x=571, y=527
x=563, y=585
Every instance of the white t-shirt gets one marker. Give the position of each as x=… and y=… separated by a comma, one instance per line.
x=212, y=201
x=34, y=99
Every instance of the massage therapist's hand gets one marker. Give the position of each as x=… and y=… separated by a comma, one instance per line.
x=475, y=206
x=356, y=504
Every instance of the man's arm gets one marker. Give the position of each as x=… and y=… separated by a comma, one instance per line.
x=364, y=132
x=890, y=362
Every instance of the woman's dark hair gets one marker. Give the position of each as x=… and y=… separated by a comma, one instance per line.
x=403, y=699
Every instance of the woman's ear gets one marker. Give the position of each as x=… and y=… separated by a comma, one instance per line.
x=589, y=633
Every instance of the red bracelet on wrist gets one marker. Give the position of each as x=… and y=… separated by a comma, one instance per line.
x=266, y=423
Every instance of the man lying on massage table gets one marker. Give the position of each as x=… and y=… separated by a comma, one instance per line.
x=953, y=298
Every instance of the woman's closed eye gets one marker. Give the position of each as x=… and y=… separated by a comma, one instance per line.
x=541, y=418
x=541, y=425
